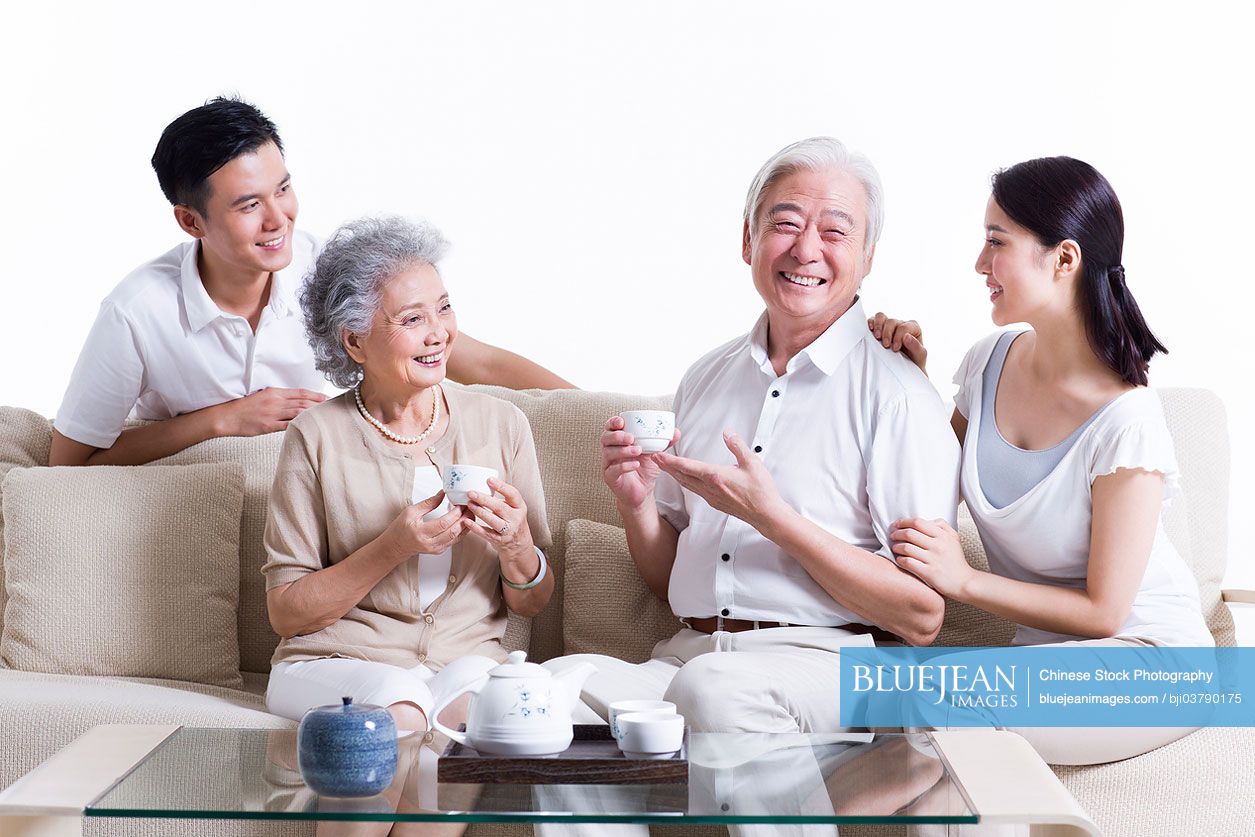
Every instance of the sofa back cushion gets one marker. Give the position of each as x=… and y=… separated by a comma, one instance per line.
x=599, y=569
x=128, y=572
x=257, y=456
x=1197, y=523
x=25, y=440
x=567, y=426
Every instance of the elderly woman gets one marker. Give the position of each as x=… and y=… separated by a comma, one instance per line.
x=374, y=581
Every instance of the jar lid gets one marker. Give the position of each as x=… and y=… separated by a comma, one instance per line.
x=348, y=707
x=516, y=665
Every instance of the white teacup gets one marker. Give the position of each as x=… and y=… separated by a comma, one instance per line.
x=622, y=707
x=459, y=479
x=651, y=429
x=651, y=732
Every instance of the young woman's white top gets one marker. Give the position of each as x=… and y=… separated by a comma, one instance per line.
x=1043, y=537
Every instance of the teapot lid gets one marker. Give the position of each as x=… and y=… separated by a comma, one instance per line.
x=516, y=665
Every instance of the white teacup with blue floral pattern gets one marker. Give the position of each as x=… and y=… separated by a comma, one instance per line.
x=459, y=479
x=651, y=429
x=622, y=707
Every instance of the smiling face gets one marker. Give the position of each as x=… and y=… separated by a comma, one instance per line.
x=806, y=249
x=1024, y=278
x=249, y=216
x=410, y=335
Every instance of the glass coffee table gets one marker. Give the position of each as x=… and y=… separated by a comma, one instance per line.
x=155, y=772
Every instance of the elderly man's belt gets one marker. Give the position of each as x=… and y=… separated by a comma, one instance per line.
x=710, y=624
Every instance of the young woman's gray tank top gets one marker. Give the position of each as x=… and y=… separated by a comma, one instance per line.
x=1007, y=473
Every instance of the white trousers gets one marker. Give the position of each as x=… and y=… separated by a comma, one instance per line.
x=297, y=687
x=1084, y=745
x=768, y=680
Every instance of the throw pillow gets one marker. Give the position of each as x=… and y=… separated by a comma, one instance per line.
x=123, y=571
x=607, y=609
x=25, y=439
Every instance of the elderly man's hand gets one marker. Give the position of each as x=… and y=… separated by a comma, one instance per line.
x=744, y=490
x=628, y=472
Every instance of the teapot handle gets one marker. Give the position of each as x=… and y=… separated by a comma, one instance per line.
x=459, y=737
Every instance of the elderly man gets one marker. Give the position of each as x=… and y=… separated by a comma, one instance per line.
x=767, y=530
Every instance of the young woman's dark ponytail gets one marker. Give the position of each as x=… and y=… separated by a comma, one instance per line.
x=1058, y=198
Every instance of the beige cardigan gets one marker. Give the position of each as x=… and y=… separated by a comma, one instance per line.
x=339, y=484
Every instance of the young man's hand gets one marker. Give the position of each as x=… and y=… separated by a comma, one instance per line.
x=265, y=411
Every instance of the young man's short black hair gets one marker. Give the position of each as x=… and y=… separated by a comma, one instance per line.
x=205, y=139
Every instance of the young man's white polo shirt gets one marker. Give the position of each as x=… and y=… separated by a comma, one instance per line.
x=161, y=347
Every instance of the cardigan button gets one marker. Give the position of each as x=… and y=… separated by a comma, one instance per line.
x=429, y=619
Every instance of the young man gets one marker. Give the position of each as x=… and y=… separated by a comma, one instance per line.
x=207, y=339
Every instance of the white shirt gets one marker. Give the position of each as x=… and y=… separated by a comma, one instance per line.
x=433, y=570
x=1043, y=537
x=160, y=347
x=854, y=436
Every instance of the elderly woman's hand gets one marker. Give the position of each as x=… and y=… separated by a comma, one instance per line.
x=500, y=521
x=409, y=534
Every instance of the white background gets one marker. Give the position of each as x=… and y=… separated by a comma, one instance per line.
x=589, y=160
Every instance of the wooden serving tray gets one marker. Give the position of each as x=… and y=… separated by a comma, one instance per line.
x=592, y=759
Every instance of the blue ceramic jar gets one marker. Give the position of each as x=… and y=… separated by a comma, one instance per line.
x=347, y=750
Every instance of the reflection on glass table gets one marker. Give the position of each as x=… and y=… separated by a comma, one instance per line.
x=733, y=778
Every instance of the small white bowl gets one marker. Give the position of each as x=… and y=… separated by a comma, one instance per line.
x=622, y=707
x=459, y=479
x=651, y=430
x=650, y=733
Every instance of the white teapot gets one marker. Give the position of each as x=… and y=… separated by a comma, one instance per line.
x=519, y=708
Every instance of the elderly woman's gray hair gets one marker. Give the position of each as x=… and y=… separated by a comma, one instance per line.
x=818, y=154
x=342, y=290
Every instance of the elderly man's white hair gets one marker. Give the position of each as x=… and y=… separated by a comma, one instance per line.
x=818, y=154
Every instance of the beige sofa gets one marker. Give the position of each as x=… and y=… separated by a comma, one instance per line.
x=1199, y=785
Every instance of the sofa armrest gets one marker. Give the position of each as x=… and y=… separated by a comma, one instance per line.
x=1237, y=596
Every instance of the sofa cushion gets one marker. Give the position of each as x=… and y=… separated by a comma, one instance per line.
x=1197, y=523
x=25, y=443
x=607, y=608
x=123, y=571
x=257, y=456
x=41, y=713
x=567, y=426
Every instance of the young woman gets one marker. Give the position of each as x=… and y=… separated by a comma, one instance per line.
x=1067, y=460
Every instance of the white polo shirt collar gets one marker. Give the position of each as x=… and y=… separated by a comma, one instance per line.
x=826, y=352
x=202, y=310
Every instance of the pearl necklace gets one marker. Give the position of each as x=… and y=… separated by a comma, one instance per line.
x=401, y=440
